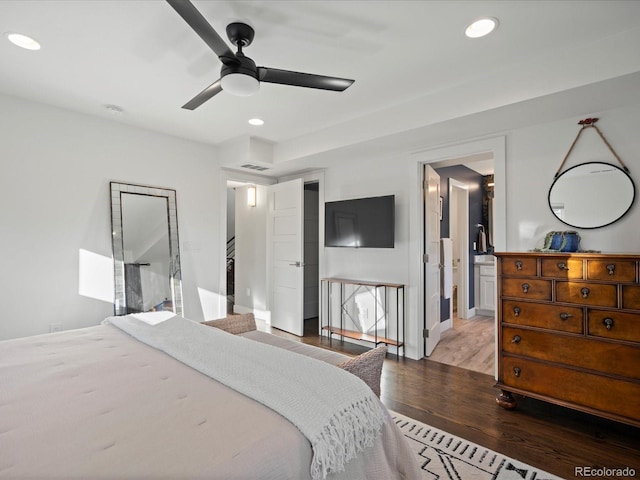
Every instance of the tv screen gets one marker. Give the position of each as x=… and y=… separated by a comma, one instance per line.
x=360, y=223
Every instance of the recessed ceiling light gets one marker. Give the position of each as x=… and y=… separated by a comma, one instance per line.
x=114, y=110
x=256, y=121
x=23, y=41
x=481, y=27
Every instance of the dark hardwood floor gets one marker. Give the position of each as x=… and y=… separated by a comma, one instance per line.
x=462, y=402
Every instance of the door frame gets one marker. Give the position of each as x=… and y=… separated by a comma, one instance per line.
x=496, y=145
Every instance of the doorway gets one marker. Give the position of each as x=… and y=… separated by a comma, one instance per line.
x=311, y=218
x=459, y=233
x=247, y=282
x=451, y=155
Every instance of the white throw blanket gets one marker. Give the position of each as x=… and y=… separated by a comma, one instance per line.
x=334, y=410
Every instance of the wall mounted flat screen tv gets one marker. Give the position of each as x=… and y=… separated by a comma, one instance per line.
x=360, y=223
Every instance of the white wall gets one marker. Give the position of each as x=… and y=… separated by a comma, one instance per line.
x=360, y=178
x=251, y=250
x=534, y=155
x=57, y=165
x=56, y=168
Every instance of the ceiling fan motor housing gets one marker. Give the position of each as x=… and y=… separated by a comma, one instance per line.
x=246, y=66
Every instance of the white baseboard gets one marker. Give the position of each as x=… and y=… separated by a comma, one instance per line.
x=446, y=325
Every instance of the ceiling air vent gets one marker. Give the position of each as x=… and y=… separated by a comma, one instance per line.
x=254, y=167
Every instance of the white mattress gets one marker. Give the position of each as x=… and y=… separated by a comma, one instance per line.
x=97, y=404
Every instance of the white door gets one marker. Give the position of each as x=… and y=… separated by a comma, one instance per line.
x=431, y=187
x=285, y=256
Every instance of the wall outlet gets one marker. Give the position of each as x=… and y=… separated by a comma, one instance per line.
x=248, y=292
x=55, y=327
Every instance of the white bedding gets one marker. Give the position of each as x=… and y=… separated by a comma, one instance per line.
x=97, y=404
x=336, y=412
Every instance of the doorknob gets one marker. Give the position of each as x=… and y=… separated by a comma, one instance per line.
x=297, y=264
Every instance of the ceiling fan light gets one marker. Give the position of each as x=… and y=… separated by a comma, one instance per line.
x=240, y=84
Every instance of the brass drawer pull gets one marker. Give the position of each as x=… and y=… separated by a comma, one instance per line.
x=565, y=316
x=585, y=292
x=516, y=371
x=516, y=311
x=516, y=339
x=608, y=323
x=611, y=268
x=525, y=287
x=518, y=265
x=563, y=266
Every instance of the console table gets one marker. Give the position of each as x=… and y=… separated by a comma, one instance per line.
x=379, y=291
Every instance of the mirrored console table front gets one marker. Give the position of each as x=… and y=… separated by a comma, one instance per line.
x=371, y=312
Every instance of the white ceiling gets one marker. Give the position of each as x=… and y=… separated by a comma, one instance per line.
x=419, y=80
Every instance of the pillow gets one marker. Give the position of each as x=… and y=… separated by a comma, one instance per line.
x=367, y=366
x=234, y=323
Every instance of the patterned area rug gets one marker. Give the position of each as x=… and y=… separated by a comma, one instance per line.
x=443, y=456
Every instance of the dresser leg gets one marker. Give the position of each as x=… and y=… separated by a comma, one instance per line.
x=506, y=400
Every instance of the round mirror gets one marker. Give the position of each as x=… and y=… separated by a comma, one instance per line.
x=591, y=195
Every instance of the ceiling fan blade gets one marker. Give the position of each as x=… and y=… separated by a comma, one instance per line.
x=204, y=30
x=203, y=96
x=298, y=79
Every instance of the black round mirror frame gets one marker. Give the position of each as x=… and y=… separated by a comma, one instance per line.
x=631, y=202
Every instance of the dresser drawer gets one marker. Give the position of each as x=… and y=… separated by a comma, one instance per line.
x=554, y=317
x=568, y=385
x=519, y=266
x=587, y=293
x=575, y=351
x=614, y=270
x=569, y=268
x=631, y=297
x=614, y=325
x=527, y=288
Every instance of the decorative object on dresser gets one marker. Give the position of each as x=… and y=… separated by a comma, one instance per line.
x=569, y=331
x=364, y=311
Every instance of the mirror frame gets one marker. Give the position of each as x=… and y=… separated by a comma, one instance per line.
x=175, y=280
x=624, y=171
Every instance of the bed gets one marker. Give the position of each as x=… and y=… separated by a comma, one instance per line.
x=101, y=403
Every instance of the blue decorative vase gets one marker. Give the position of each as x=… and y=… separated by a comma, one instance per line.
x=570, y=242
x=555, y=241
x=562, y=242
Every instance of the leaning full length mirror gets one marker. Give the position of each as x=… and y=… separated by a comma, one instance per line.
x=591, y=195
x=145, y=249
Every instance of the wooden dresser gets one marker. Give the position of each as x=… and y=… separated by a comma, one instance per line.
x=569, y=331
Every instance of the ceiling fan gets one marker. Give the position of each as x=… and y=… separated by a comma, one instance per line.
x=239, y=74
